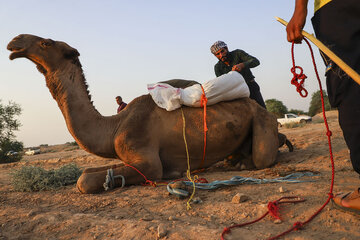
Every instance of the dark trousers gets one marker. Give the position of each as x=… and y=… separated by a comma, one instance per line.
x=255, y=93
x=337, y=25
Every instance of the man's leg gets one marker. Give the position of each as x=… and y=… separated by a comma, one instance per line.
x=349, y=119
x=256, y=94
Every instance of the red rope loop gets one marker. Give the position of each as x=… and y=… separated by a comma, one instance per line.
x=295, y=81
x=329, y=133
x=273, y=208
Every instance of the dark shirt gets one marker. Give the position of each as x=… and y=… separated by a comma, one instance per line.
x=121, y=107
x=235, y=57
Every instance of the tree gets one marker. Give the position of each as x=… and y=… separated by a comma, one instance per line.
x=315, y=104
x=298, y=112
x=8, y=124
x=276, y=107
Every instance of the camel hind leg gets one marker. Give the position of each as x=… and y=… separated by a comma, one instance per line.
x=265, y=140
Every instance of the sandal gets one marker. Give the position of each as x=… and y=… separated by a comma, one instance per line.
x=349, y=202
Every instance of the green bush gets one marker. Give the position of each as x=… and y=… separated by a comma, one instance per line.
x=32, y=178
x=8, y=124
x=276, y=107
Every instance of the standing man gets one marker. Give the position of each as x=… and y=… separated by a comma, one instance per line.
x=122, y=105
x=337, y=25
x=237, y=60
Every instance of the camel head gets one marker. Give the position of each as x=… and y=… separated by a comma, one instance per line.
x=47, y=54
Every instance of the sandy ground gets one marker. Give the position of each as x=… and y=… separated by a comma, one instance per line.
x=144, y=212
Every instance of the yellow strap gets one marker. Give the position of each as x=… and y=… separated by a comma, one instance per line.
x=319, y=4
x=188, y=172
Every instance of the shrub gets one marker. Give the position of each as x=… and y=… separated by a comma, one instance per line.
x=32, y=178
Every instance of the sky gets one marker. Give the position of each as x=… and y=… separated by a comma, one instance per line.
x=124, y=45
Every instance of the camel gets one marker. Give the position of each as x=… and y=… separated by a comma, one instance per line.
x=143, y=135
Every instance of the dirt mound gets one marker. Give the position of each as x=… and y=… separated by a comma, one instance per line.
x=144, y=212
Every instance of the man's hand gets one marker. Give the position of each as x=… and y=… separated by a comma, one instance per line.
x=297, y=22
x=238, y=67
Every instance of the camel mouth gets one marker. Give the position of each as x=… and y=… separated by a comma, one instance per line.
x=16, y=52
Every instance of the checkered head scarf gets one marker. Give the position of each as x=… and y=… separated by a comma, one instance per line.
x=217, y=46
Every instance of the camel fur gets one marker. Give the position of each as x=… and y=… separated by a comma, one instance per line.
x=143, y=135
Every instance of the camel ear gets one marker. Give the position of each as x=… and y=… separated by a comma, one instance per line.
x=71, y=53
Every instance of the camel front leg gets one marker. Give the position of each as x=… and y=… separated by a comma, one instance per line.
x=93, y=181
x=265, y=139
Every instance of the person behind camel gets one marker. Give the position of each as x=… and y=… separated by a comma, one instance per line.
x=237, y=60
x=337, y=24
x=122, y=104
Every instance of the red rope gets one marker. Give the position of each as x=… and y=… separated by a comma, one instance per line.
x=273, y=209
x=203, y=104
x=147, y=181
x=272, y=206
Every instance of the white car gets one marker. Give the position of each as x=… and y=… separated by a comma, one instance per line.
x=290, y=118
x=11, y=153
x=32, y=152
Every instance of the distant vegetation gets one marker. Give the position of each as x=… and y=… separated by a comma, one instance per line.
x=315, y=104
x=276, y=107
x=10, y=149
x=72, y=143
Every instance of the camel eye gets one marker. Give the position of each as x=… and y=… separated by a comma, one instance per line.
x=45, y=43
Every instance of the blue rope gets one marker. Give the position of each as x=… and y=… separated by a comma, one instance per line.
x=237, y=180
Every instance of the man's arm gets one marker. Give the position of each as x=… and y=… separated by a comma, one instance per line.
x=297, y=22
x=247, y=60
x=217, y=71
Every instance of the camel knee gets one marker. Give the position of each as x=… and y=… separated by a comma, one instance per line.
x=265, y=161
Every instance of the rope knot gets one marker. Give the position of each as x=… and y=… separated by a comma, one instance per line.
x=298, y=225
x=329, y=133
x=201, y=180
x=226, y=230
x=151, y=183
x=203, y=100
x=295, y=81
x=274, y=209
x=331, y=195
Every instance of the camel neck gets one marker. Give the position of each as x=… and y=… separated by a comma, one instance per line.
x=92, y=131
